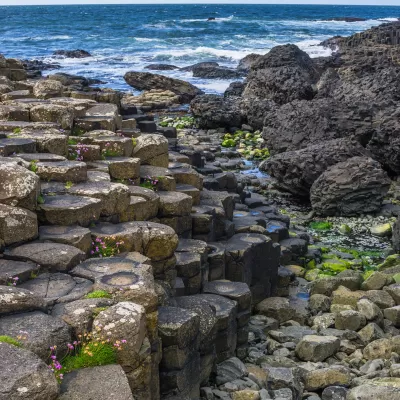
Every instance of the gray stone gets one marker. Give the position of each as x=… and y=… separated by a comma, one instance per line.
x=317, y=348
x=24, y=374
x=50, y=256
x=106, y=382
x=41, y=331
x=15, y=299
x=230, y=370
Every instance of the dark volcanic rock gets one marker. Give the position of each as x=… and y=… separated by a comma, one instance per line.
x=208, y=72
x=396, y=236
x=190, y=68
x=347, y=19
x=247, y=62
x=355, y=186
x=147, y=81
x=286, y=73
x=303, y=123
x=72, y=53
x=296, y=171
x=385, y=142
x=235, y=89
x=161, y=67
x=215, y=111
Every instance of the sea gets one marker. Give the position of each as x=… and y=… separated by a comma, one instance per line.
x=125, y=38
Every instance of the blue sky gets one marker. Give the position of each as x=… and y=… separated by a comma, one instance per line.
x=354, y=2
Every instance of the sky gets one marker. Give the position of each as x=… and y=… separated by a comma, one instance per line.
x=354, y=2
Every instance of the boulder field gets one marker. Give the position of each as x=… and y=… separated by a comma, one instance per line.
x=145, y=256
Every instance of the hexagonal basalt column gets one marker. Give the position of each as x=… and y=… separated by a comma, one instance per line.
x=126, y=278
x=69, y=210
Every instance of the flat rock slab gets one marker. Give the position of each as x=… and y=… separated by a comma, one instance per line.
x=58, y=288
x=10, y=146
x=126, y=278
x=107, y=382
x=237, y=291
x=69, y=210
x=156, y=241
x=22, y=370
x=23, y=270
x=41, y=157
x=41, y=331
x=73, y=235
x=52, y=256
x=15, y=299
x=62, y=171
x=115, y=197
x=317, y=348
x=124, y=167
x=174, y=204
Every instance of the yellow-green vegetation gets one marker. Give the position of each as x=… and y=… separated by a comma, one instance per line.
x=10, y=340
x=93, y=354
x=333, y=266
x=390, y=261
x=17, y=131
x=77, y=131
x=72, y=141
x=40, y=199
x=33, y=166
x=250, y=145
x=320, y=225
x=98, y=294
x=96, y=311
x=179, y=122
x=68, y=185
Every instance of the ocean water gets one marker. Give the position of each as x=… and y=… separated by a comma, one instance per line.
x=129, y=37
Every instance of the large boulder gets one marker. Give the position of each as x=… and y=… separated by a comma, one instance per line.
x=302, y=123
x=148, y=81
x=23, y=375
x=355, y=186
x=284, y=74
x=213, y=111
x=247, y=62
x=296, y=171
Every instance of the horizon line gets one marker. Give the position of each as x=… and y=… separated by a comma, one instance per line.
x=188, y=2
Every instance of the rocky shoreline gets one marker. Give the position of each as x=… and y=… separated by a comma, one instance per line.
x=245, y=249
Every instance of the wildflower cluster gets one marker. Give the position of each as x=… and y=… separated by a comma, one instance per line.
x=107, y=247
x=110, y=150
x=11, y=280
x=150, y=183
x=78, y=152
x=90, y=350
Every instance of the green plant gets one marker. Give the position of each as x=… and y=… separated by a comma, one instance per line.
x=10, y=340
x=91, y=350
x=17, y=131
x=134, y=142
x=40, y=199
x=97, y=310
x=33, y=166
x=320, y=225
x=98, y=294
x=76, y=131
x=68, y=185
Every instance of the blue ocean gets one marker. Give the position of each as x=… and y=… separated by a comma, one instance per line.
x=129, y=37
